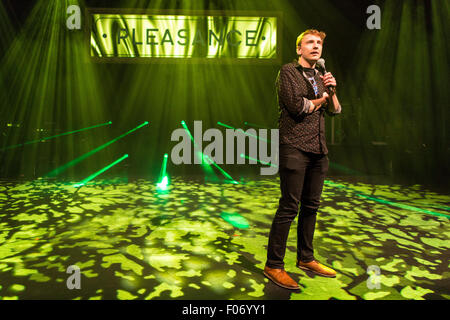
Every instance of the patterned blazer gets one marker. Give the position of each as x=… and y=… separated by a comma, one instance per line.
x=298, y=127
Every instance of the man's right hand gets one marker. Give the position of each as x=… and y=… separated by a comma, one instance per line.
x=318, y=103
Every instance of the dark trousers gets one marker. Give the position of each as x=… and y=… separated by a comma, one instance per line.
x=302, y=175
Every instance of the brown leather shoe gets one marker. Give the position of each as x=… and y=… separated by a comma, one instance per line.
x=281, y=278
x=317, y=268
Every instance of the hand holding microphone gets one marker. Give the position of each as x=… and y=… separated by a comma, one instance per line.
x=328, y=80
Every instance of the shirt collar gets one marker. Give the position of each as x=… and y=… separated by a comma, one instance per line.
x=301, y=68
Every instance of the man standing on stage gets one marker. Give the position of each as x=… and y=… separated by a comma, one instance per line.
x=304, y=96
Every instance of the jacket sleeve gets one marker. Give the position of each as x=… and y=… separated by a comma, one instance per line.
x=333, y=113
x=289, y=94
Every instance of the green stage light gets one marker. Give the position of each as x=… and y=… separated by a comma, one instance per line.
x=61, y=169
x=262, y=162
x=163, y=182
x=92, y=176
x=55, y=136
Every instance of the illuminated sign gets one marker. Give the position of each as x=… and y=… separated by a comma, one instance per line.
x=125, y=36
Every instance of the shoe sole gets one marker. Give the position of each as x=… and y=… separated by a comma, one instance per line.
x=279, y=284
x=318, y=273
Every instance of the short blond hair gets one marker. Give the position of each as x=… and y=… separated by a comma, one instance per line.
x=321, y=34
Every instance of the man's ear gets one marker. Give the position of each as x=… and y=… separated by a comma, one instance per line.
x=299, y=51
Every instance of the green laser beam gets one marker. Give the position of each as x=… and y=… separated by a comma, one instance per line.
x=92, y=176
x=205, y=165
x=64, y=167
x=255, y=125
x=163, y=178
x=388, y=202
x=209, y=160
x=446, y=208
x=403, y=206
x=259, y=161
x=241, y=130
x=183, y=123
x=55, y=136
x=163, y=167
x=225, y=125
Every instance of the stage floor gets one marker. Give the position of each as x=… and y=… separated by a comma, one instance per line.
x=201, y=240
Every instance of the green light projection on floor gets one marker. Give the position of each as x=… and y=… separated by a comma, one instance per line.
x=193, y=245
x=61, y=169
x=92, y=176
x=56, y=136
x=235, y=219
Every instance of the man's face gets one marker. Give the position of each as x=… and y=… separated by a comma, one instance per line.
x=310, y=47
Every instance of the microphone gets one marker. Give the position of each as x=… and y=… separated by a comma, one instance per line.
x=321, y=64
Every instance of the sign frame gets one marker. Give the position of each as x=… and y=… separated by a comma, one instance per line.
x=193, y=60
